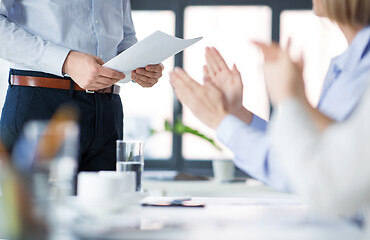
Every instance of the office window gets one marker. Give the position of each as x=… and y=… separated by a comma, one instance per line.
x=230, y=29
x=318, y=39
x=149, y=108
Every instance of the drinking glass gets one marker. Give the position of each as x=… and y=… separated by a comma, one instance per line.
x=130, y=158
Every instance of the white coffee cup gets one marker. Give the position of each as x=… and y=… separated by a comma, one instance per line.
x=126, y=180
x=96, y=186
x=223, y=170
x=101, y=193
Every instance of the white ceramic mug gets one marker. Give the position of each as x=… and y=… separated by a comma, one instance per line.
x=95, y=186
x=223, y=170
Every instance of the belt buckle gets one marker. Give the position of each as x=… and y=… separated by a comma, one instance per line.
x=88, y=91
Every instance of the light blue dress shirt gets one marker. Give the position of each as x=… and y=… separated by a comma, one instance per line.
x=343, y=88
x=38, y=34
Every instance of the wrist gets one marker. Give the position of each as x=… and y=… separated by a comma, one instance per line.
x=243, y=114
x=66, y=64
x=217, y=120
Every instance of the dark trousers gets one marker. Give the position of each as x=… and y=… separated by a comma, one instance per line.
x=101, y=120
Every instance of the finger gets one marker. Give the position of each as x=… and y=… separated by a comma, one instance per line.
x=143, y=78
x=155, y=68
x=219, y=59
x=180, y=86
x=289, y=44
x=205, y=70
x=211, y=89
x=110, y=73
x=184, y=92
x=270, y=52
x=206, y=79
x=187, y=79
x=206, y=76
x=145, y=84
x=301, y=62
x=149, y=74
x=97, y=86
x=99, y=60
x=106, y=81
x=211, y=62
x=236, y=74
x=263, y=47
x=180, y=79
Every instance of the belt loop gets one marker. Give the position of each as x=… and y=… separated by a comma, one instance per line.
x=71, y=86
x=111, y=93
x=10, y=77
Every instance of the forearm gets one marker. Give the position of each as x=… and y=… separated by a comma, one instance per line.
x=251, y=149
x=321, y=121
x=29, y=50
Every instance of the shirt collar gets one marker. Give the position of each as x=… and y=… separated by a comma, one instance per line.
x=355, y=51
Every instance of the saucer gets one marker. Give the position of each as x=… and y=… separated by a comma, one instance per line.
x=108, y=206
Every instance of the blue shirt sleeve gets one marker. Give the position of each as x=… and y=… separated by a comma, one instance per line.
x=250, y=145
x=128, y=29
x=258, y=123
x=21, y=47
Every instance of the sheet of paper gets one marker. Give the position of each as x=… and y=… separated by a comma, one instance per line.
x=152, y=50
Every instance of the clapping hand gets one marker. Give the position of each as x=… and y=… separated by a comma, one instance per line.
x=229, y=81
x=206, y=101
x=283, y=76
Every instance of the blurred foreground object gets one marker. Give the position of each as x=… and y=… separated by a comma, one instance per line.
x=40, y=176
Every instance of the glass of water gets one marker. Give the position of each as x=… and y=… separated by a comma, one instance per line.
x=130, y=158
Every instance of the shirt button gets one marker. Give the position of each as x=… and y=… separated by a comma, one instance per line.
x=101, y=56
x=96, y=21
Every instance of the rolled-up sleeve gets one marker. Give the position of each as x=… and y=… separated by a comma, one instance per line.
x=20, y=47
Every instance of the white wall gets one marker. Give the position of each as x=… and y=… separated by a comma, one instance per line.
x=4, y=71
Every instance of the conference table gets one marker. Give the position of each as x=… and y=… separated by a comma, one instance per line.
x=236, y=210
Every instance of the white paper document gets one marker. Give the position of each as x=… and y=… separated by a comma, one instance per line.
x=152, y=50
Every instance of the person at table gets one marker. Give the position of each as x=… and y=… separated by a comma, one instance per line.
x=56, y=50
x=218, y=103
x=328, y=164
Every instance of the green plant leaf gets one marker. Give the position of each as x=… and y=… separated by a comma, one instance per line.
x=181, y=128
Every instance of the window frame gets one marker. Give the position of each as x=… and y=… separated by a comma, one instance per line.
x=177, y=161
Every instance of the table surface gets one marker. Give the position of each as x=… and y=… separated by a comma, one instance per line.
x=232, y=211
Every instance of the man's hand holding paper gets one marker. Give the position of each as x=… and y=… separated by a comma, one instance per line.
x=148, y=76
x=141, y=62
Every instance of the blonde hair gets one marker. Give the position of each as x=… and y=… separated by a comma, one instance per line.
x=348, y=12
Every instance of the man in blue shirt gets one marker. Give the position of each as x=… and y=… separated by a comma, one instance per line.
x=56, y=50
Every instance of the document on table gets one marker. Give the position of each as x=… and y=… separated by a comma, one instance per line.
x=152, y=50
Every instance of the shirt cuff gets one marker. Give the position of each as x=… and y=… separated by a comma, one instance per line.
x=227, y=128
x=53, y=59
x=258, y=123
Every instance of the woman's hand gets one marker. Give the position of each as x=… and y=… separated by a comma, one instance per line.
x=229, y=82
x=283, y=76
x=206, y=101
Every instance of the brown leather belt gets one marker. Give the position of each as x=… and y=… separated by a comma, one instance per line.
x=56, y=83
